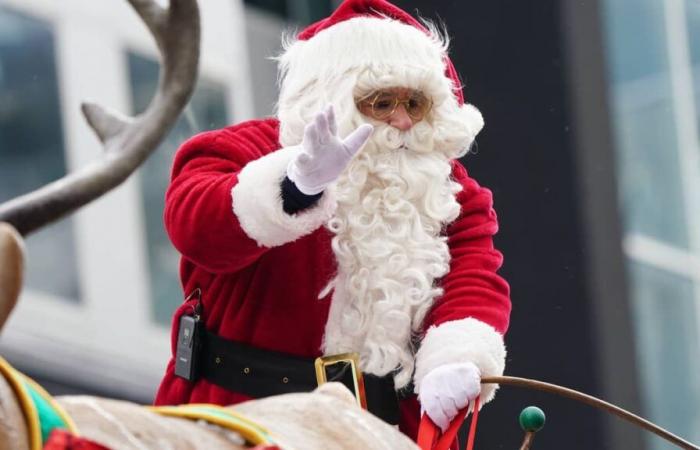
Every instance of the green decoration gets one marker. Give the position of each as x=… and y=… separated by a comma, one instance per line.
x=532, y=419
x=48, y=416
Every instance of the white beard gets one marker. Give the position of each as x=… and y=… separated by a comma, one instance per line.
x=394, y=200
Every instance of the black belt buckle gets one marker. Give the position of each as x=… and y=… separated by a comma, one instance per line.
x=322, y=364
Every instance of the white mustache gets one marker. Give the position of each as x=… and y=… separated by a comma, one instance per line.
x=418, y=139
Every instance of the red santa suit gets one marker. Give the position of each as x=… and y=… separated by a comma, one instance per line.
x=260, y=270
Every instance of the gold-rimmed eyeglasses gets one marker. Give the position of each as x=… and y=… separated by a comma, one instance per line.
x=382, y=104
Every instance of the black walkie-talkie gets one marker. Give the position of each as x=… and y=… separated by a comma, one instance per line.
x=189, y=340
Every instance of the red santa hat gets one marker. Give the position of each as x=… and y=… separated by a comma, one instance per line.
x=363, y=46
x=379, y=9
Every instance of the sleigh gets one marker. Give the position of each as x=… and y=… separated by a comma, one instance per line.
x=70, y=422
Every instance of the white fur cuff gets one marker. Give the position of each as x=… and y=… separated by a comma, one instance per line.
x=466, y=340
x=257, y=202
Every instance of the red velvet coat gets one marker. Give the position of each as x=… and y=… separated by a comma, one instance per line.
x=260, y=272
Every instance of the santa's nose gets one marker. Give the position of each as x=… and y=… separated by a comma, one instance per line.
x=400, y=119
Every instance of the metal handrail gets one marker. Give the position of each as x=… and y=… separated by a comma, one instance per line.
x=595, y=402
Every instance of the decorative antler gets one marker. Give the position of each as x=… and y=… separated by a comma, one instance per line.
x=127, y=141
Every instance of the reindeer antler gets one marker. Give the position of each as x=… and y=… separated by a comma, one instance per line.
x=127, y=141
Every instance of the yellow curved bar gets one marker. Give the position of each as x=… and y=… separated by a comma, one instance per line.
x=54, y=404
x=31, y=417
x=226, y=418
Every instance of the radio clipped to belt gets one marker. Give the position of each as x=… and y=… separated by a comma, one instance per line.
x=189, y=339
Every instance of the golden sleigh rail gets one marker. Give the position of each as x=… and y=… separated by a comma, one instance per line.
x=592, y=401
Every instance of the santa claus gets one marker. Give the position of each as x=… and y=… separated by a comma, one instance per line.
x=344, y=225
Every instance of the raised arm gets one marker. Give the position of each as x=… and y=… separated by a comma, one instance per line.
x=223, y=208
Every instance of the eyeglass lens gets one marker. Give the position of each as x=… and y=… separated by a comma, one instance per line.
x=385, y=103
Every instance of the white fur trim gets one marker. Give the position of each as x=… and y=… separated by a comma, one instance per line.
x=473, y=117
x=465, y=340
x=257, y=202
x=362, y=42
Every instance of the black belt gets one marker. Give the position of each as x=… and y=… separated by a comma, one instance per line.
x=262, y=373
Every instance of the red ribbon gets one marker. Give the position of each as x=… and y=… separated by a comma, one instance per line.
x=430, y=437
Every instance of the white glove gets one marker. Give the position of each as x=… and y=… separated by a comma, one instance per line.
x=447, y=389
x=324, y=155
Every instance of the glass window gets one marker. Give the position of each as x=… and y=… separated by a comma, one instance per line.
x=643, y=118
x=648, y=164
x=206, y=110
x=667, y=337
x=635, y=38
x=692, y=8
x=31, y=144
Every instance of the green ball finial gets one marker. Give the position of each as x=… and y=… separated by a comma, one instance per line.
x=532, y=419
